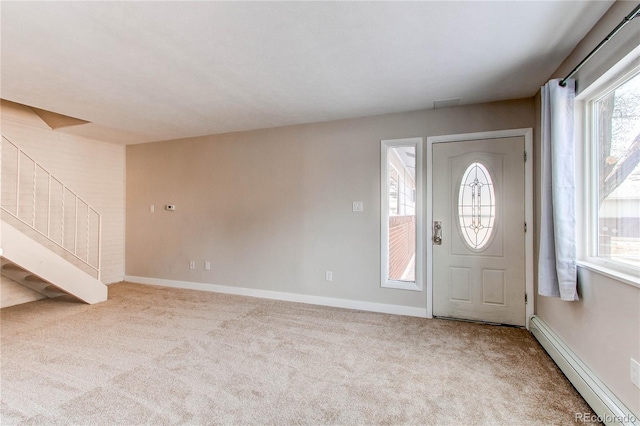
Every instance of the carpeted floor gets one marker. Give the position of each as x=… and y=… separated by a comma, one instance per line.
x=153, y=355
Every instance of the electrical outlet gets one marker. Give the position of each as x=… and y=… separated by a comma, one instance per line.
x=207, y=266
x=635, y=372
x=328, y=275
x=192, y=264
x=152, y=208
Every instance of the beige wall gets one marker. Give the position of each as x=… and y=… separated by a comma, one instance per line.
x=93, y=169
x=271, y=209
x=603, y=328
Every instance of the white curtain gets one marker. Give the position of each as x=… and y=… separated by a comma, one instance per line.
x=557, y=275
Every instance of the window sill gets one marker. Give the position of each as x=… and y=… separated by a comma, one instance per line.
x=632, y=280
x=401, y=285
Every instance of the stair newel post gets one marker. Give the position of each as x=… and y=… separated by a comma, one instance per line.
x=99, y=246
x=49, y=205
x=75, y=229
x=88, y=231
x=62, y=224
x=35, y=182
x=18, y=183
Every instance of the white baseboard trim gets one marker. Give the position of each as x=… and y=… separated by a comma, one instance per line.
x=609, y=409
x=118, y=280
x=288, y=297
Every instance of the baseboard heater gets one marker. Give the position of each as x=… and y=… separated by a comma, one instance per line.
x=609, y=409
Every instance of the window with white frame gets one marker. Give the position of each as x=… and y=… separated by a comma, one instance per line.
x=401, y=188
x=613, y=188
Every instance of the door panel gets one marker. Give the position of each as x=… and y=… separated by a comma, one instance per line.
x=478, y=196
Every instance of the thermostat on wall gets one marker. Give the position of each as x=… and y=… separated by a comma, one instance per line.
x=171, y=207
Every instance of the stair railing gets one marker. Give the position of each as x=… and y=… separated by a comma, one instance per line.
x=39, y=200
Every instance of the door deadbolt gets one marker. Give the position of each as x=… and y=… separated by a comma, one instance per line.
x=437, y=232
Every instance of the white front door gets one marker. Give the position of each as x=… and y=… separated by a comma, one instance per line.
x=478, y=200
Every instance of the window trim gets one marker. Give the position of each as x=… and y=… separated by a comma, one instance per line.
x=587, y=168
x=417, y=285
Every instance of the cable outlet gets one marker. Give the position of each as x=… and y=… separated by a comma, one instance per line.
x=328, y=275
x=635, y=372
x=192, y=264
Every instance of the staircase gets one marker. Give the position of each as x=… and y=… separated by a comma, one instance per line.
x=50, y=237
x=27, y=279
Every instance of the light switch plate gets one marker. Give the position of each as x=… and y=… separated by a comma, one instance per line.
x=358, y=206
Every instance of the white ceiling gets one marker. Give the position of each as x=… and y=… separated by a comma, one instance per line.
x=148, y=71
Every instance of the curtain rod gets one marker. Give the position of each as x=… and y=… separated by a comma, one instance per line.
x=634, y=14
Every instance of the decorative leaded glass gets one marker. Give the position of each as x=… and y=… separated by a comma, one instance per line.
x=476, y=206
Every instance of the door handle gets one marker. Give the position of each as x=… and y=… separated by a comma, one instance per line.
x=437, y=232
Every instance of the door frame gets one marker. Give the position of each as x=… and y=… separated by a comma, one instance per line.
x=527, y=133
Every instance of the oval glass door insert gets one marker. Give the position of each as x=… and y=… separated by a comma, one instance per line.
x=476, y=206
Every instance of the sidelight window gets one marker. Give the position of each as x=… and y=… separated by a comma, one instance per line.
x=401, y=187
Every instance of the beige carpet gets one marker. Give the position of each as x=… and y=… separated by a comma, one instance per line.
x=153, y=355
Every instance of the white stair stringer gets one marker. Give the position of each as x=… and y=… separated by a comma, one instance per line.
x=38, y=268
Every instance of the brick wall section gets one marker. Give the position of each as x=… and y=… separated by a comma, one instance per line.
x=402, y=244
